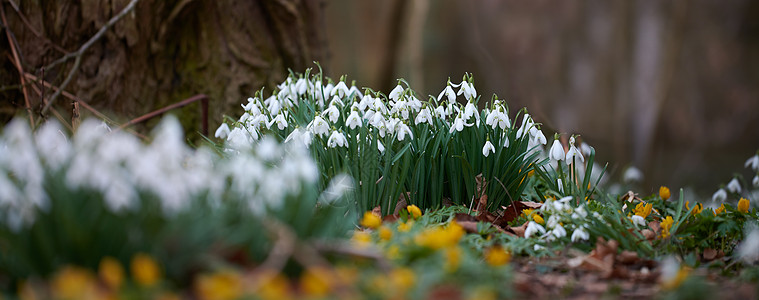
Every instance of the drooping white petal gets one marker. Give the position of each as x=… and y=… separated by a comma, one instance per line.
x=734, y=186
x=488, y=148
x=719, y=196
x=557, y=151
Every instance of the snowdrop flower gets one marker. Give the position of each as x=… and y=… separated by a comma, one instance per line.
x=280, y=121
x=402, y=130
x=336, y=101
x=561, y=185
x=553, y=221
x=734, y=186
x=557, y=151
x=395, y=94
x=365, y=102
x=638, y=220
x=300, y=86
x=332, y=113
x=557, y=232
x=632, y=174
x=719, y=196
x=505, y=138
x=340, y=89
x=222, y=132
x=753, y=162
x=337, y=139
x=498, y=118
x=468, y=90
x=527, y=124
x=354, y=92
x=424, y=116
x=414, y=103
x=449, y=93
x=318, y=126
x=573, y=152
x=755, y=181
x=533, y=228
x=579, y=213
x=354, y=120
x=580, y=235
x=274, y=107
x=440, y=112
x=379, y=106
x=488, y=148
x=537, y=247
x=748, y=250
x=380, y=147
x=471, y=110
x=585, y=149
x=239, y=139
x=458, y=124
x=538, y=136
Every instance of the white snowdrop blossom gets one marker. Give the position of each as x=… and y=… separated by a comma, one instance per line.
x=557, y=151
x=533, y=228
x=488, y=148
x=380, y=147
x=365, y=102
x=468, y=90
x=579, y=213
x=403, y=130
x=748, y=250
x=586, y=149
x=447, y=92
x=580, y=235
x=527, y=125
x=734, y=186
x=753, y=162
x=222, y=132
x=396, y=93
x=354, y=120
x=332, y=113
x=538, y=137
x=573, y=152
x=755, y=181
x=557, y=233
x=458, y=124
x=318, y=126
x=280, y=120
x=719, y=196
x=632, y=174
x=337, y=139
x=424, y=116
x=638, y=220
x=340, y=90
x=498, y=118
x=440, y=112
x=471, y=110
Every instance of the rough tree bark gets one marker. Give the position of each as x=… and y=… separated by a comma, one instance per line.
x=160, y=53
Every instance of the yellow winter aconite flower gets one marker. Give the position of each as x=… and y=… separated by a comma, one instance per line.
x=666, y=225
x=414, y=211
x=316, y=282
x=720, y=209
x=405, y=226
x=385, y=233
x=696, y=209
x=224, y=285
x=743, y=205
x=664, y=193
x=538, y=219
x=452, y=259
x=393, y=252
x=361, y=238
x=111, y=272
x=440, y=237
x=643, y=209
x=497, y=256
x=482, y=293
x=273, y=287
x=402, y=279
x=145, y=270
x=675, y=282
x=73, y=283
x=371, y=220
x=527, y=212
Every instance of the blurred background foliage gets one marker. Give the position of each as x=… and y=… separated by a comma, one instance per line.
x=671, y=87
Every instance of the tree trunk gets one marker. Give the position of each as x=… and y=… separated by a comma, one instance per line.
x=160, y=53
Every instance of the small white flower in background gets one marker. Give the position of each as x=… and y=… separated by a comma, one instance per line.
x=561, y=185
x=440, y=112
x=579, y=213
x=748, y=250
x=318, y=126
x=354, y=120
x=380, y=147
x=638, y=220
x=301, y=86
x=377, y=120
x=403, y=130
x=719, y=196
x=222, y=132
x=414, y=103
x=468, y=90
x=573, y=152
x=336, y=101
x=332, y=113
x=366, y=102
x=458, y=124
x=280, y=121
x=274, y=107
x=557, y=151
x=527, y=124
x=533, y=228
x=338, y=186
x=424, y=116
x=538, y=137
x=471, y=110
x=669, y=269
x=505, y=138
x=353, y=91
x=379, y=106
x=585, y=149
x=557, y=233
x=488, y=148
x=449, y=93
x=734, y=186
x=632, y=174
x=580, y=235
x=340, y=89
x=337, y=139
x=553, y=220
x=395, y=94
x=753, y=162
x=755, y=181
x=498, y=118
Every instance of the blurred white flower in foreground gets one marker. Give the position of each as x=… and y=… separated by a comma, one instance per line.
x=632, y=175
x=748, y=250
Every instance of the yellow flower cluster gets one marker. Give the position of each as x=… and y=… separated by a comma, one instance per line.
x=371, y=220
x=666, y=225
x=664, y=193
x=538, y=219
x=720, y=209
x=414, y=211
x=441, y=236
x=497, y=256
x=743, y=205
x=643, y=209
x=696, y=209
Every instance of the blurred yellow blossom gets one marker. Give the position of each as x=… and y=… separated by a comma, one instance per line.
x=538, y=219
x=316, y=282
x=482, y=293
x=111, y=272
x=720, y=209
x=223, y=285
x=145, y=270
x=73, y=283
x=452, y=259
x=676, y=281
x=664, y=193
x=273, y=286
x=497, y=256
x=527, y=212
x=393, y=252
x=743, y=205
x=405, y=226
x=643, y=210
x=441, y=236
x=403, y=279
x=666, y=225
x=361, y=238
x=385, y=233
x=696, y=209
x=414, y=211
x=371, y=220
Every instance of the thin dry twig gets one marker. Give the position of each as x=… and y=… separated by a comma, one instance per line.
x=78, y=54
x=17, y=63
